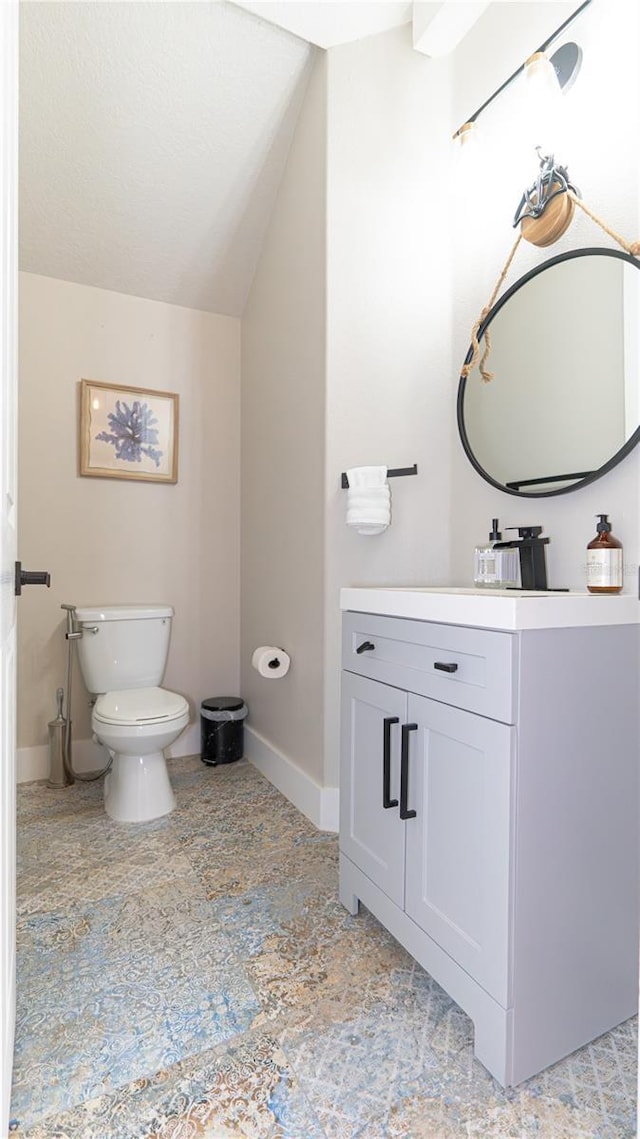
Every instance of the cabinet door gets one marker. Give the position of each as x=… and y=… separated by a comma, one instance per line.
x=458, y=853
x=372, y=835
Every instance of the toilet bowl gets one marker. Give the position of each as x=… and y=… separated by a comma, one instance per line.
x=136, y=725
x=123, y=651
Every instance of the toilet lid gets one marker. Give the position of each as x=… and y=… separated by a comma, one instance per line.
x=139, y=706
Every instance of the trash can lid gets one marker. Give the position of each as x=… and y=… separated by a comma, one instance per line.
x=223, y=703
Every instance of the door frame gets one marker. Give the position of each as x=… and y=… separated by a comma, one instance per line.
x=8, y=394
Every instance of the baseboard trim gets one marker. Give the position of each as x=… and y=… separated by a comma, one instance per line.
x=320, y=804
x=32, y=763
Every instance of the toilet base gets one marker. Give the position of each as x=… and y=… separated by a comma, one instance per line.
x=137, y=788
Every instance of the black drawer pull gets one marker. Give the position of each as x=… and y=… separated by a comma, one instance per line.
x=387, y=801
x=442, y=667
x=365, y=647
x=404, y=771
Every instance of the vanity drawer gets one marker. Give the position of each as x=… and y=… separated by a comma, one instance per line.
x=480, y=664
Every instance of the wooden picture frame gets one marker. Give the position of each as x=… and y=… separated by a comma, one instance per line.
x=128, y=433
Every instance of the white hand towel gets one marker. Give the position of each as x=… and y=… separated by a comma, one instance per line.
x=368, y=515
x=368, y=500
x=359, y=477
x=381, y=511
x=371, y=497
x=367, y=529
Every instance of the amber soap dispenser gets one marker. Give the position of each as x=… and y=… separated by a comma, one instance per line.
x=604, y=560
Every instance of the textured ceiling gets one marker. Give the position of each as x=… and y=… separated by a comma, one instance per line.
x=333, y=22
x=153, y=139
x=153, y=135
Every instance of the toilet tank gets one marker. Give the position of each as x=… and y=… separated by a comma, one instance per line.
x=123, y=646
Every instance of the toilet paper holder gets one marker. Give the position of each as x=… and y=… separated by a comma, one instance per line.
x=271, y=661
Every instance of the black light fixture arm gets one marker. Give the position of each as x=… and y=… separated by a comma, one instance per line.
x=543, y=47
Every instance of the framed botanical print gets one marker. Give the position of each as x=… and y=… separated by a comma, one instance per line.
x=128, y=433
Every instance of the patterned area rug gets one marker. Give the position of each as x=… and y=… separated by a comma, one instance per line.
x=197, y=978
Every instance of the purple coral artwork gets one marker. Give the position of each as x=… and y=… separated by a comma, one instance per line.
x=132, y=432
x=128, y=432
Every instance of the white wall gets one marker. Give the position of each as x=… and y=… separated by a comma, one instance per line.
x=377, y=393
x=388, y=321
x=592, y=134
x=283, y=369
x=111, y=540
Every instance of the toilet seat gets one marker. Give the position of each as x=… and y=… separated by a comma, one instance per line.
x=139, y=706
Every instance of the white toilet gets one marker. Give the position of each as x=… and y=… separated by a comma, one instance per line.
x=123, y=653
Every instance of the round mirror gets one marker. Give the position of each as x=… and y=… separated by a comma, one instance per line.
x=563, y=406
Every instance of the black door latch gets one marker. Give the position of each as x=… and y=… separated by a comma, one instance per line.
x=30, y=577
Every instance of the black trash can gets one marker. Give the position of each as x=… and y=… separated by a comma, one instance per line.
x=222, y=729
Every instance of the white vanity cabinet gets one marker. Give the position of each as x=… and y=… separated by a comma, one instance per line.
x=488, y=817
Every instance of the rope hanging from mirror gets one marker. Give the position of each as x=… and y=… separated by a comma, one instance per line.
x=632, y=248
x=475, y=344
x=551, y=188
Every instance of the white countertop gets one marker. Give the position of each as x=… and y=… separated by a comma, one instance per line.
x=504, y=609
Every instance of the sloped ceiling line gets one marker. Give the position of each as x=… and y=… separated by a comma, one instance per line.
x=153, y=136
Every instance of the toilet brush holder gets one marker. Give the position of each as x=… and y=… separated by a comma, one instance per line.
x=68, y=765
x=58, y=773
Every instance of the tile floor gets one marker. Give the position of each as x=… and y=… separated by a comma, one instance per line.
x=197, y=978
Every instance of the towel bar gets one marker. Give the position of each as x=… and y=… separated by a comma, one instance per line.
x=390, y=474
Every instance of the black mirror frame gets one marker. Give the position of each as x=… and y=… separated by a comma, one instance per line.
x=619, y=455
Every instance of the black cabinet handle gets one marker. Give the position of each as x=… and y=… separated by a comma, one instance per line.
x=387, y=801
x=445, y=667
x=29, y=577
x=365, y=647
x=404, y=771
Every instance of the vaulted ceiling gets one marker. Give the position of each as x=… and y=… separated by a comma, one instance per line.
x=153, y=135
x=152, y=141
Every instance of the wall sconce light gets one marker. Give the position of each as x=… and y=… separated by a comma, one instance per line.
x=556, y=72
x=539, y=73
x=467, y=135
